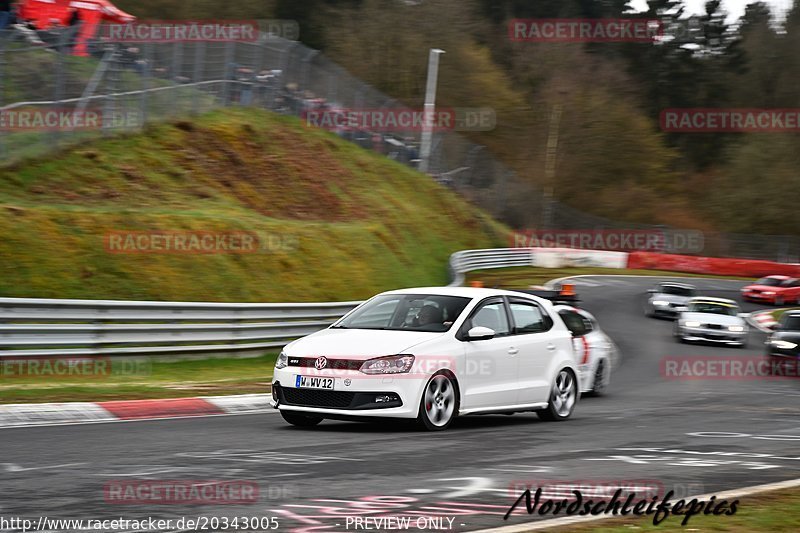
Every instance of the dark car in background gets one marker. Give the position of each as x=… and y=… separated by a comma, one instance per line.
x=784, y=342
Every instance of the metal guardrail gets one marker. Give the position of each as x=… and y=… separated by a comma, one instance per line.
x=39, y=328
x=55, y=328
x=470, y=260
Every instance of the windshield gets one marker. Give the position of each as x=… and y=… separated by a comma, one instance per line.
x=676, y=291
x=791, y=323
x=769, y=282
x=712, y=308
x=406, y=312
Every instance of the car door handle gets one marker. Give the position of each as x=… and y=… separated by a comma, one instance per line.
x=551, y=347
x=513, y=351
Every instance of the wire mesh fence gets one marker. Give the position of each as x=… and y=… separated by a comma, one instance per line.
x=122, y=86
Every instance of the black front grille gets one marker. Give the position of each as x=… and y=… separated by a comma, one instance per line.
x=336, y=399
x=317, y=398
x=713, y=326
x=330, y=364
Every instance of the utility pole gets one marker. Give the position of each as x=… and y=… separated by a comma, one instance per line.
x=551, y=159
x=430, y=108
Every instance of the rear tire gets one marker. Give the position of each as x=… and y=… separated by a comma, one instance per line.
x=563, y=397
x=439, y=404
x=299, y=420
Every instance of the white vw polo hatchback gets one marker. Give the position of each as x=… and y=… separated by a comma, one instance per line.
x=431, y=355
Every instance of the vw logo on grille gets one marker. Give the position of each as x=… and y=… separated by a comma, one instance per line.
x=321, y=363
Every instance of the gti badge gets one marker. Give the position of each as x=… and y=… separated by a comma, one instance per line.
x=321, y=363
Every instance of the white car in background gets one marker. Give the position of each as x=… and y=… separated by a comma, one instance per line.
x=716, y=320
x=669, y=299
x=432, y=355
x=596, y=354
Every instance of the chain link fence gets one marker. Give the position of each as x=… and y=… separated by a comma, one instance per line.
x=129, y=85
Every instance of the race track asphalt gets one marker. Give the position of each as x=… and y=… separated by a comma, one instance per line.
x=643, y=432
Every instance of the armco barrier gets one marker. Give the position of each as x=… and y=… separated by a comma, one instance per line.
x=471, y=260
x=710, y=265
x=43, y=328
x=54, y=328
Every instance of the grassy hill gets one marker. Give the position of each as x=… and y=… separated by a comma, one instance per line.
x=344, y=223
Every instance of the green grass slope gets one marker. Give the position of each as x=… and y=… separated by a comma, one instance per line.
x=351, y=223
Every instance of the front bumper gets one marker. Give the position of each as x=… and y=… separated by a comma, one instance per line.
x=784, y=353
x=668, y=310
x=721, y=336
x=354, y=394
x=759, y=297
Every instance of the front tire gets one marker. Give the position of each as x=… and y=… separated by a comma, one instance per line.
x=300, y=420
x=563, y=397
x=439, y=404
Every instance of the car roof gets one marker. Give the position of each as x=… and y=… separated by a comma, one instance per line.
x=779, y=276
x=673, y=284
x=468, y=292
x=795, y=312
x=710, y=299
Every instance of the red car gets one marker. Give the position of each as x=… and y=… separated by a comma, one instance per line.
x=778, y=290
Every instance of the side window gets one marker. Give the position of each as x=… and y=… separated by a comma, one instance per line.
x=493, y=316
x=529, y=318
x=575, y=323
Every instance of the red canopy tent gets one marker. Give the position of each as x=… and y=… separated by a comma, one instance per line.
x=49, y=14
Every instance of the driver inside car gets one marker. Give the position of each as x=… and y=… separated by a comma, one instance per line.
x=429, y=314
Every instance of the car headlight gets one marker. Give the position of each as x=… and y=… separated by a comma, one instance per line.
x=769, y=293
x=738, y=329
x=784, y=345
x=660, y=303
x=393, y=364
x=691, y=324
x=282, y=361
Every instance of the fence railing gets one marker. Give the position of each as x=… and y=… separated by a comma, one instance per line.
x=470, y=260
x=134, y=84
x=40, y=328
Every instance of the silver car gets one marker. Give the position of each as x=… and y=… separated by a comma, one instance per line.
x=716, y=320
x=669, y=299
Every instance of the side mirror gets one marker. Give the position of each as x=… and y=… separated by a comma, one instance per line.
x=479, y=333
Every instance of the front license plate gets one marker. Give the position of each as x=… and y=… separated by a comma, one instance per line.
x=307, y=382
